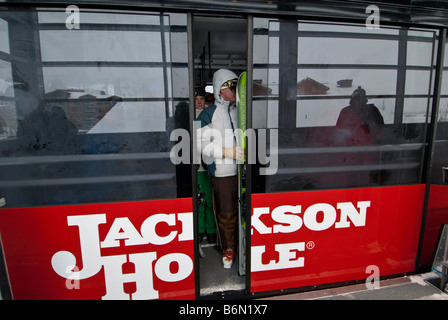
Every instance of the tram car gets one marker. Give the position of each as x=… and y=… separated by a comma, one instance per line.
x=347, y=109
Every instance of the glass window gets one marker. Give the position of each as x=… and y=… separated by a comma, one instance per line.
x=4, y=46
x=324, y=141
x=105, y=45
x=440, y=158
x=87, y=113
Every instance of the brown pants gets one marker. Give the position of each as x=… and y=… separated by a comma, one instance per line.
x=225, y=191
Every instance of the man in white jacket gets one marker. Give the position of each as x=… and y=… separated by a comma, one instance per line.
x=217, y=144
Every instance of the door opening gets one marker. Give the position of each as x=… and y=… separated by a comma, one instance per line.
x=218, y=43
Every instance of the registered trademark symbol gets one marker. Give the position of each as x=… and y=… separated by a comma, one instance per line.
x=310, y=245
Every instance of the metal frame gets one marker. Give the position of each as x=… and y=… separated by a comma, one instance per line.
x=249, y=92
x=431, y=138
x=405, y=11
x=194, y=169
x=282, y=12
x=249, y=110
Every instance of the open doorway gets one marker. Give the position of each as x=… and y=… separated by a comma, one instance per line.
x=218, y=43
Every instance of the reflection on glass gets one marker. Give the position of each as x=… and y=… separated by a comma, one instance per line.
x=332, y=61
x=84, y=113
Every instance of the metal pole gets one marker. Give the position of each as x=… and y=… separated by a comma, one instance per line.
x=432, y=138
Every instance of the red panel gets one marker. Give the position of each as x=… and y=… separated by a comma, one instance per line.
x=131, y=250
x=437, y=215
x=317, y=237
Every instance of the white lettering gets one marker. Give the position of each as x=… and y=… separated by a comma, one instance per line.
x=148, y=228
x=186, y=219
x=115, y=278
x=171, y=267
x=257, y=224
x=184, y=264
x=90, y=247
x=197, y=310
x=121, y=229
x=288, y=257
x=286, y=219
x=310, y=216
x=294, y=222
x=317, y=217
x=348, y=210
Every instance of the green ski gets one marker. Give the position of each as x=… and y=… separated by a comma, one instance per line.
x=241, y=107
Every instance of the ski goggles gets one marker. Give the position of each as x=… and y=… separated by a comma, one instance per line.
x=231, y=84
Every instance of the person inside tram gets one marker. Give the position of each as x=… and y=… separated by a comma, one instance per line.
x=43, y=129
x=206, y=216
x=360, y=124
x=209, y=99
x=360, y=121
x=216, y=149
x=199, y=102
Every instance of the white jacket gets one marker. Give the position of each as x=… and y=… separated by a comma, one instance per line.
x=217, y=125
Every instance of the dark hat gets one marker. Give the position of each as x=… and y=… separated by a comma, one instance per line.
x=359, y=95
x=199, y=91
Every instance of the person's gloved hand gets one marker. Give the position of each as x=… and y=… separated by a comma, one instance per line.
x=236, y=153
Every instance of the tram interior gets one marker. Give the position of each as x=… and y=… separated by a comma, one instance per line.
x=218, y=42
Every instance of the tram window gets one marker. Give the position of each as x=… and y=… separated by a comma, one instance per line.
x=147, y=46
x=87, y=112
x=441, y=146
x=443, y=106
x=312, y=85
x=345, y=50
x=4, y=44
x=443, y=110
